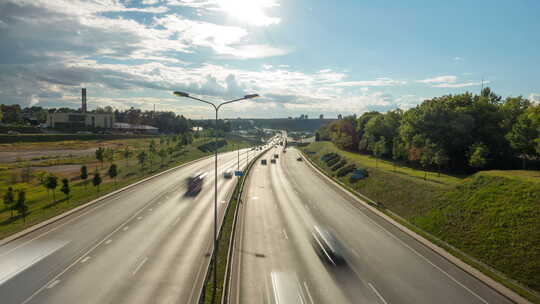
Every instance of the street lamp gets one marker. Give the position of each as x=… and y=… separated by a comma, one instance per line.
x=216, y=108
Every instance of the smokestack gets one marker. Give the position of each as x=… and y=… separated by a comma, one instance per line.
x=83, y=108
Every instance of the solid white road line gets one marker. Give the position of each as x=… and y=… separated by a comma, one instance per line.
x=139, y=218
x=377, y=293
x=139, y=266
x=85, y=259
x=308, y=293
x=108, y=242
x=427, y=260
x=125, y=228
x=285, y=234
x=52, y=284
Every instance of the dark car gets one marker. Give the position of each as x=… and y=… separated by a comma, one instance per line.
x=273, y=160
x=327, y=246
x=299, y=158
x=263, y=161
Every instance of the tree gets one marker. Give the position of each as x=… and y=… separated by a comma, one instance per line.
x=142, y=158
x=478, y=156
x=524, y=133
x=21, y=207
x=427, y=156
x=65, y=187
x=84, y=175
x=398, y=151
x=9, y=199
x=96, y=180
x=318, y=135
x=162, y=153
x=51, y=182
x=109, y=154
x=113, y=172
x=379, y=149
x=440, y=159
x=127, y=154
x=151, y=151
x=100, y=155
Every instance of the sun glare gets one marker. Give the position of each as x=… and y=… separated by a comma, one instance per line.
x=250, y=11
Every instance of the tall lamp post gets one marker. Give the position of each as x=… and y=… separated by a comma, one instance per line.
x=216, y=108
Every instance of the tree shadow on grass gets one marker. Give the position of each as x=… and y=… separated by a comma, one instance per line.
x=50, y=205
x=10, y=220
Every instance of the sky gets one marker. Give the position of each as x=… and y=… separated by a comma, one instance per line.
x=301, y=56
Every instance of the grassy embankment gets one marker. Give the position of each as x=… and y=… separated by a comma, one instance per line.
x=492, y=216
x=44, y=205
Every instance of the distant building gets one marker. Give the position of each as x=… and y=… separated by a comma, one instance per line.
x=132, y=128
x=77, y=120
x=80, y=120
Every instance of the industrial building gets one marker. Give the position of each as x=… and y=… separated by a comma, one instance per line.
x=80, y=120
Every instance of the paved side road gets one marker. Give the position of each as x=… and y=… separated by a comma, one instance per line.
x=148, y=244
x=384, y=265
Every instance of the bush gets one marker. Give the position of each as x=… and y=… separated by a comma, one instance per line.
x=346, y=170
x=329, y=156
x=342, y=163
x=333, y=161
x=358, y=174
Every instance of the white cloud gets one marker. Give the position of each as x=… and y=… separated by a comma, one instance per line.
x=457, y=58
x=458, y=85
x=379, y=82
x=534, y=97
x=439, y=79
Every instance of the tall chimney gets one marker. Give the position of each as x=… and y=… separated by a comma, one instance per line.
x=83, y=108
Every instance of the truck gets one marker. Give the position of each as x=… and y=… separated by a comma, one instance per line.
x=263, y=161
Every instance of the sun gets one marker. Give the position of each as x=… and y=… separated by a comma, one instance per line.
x=250, y=11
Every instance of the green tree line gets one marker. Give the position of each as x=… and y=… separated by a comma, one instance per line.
x=455, y=132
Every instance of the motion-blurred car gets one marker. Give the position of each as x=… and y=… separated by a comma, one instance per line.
x=327, y=246
x=299, y=158
x=286, y=289
x=263, y=161
x=228, y=174
x=273, y=160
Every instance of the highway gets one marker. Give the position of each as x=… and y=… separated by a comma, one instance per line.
x=147, y=244
x=282, y=203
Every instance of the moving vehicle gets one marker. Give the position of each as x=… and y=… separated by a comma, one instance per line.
x=327, y=246
x=263, y=161
x=276, y=155
x=299, y=158
x=195, y=183
x=273, y=160
x=286, y=289
x=228, y=174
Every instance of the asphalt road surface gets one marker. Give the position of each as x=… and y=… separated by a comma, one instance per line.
x=148, y=244
x=284, y=201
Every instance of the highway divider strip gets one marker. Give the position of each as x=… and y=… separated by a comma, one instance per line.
x=92, y=202
x=380, y=210
x=227, y=224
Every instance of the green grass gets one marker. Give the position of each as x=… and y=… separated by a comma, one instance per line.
x=492, y=216
x=371, y=162
x=42, y=207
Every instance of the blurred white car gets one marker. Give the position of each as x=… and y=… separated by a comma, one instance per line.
x=228, y=174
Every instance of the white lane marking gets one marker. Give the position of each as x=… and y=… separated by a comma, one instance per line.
x=308, y=293
x=427, y=260
x=84, y=254
x=85, y=259
x=254, y=197
x=285, y=234
x=53, y=283
x=139, y=218
x=175, y=221
x=149, y=210
x=355, y=253
x=377, y=293
x=108, y=242
x=223, y=202
x=139, y=266
x=125, y=228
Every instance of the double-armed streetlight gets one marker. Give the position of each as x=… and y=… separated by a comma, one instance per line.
x=216, y=108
